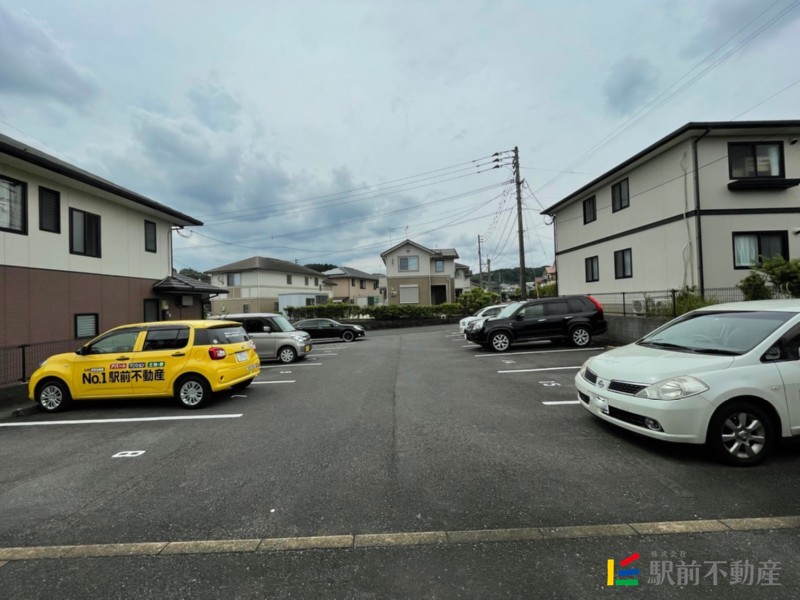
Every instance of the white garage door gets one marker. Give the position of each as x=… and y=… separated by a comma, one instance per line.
x=409, y=294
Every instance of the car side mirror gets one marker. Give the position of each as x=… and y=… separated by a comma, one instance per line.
x=81, y=351
x=773, y=353
x=520, y=316
x=267, y=329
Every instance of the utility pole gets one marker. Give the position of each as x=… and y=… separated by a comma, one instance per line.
x=489, y=271
x=523, y=285
x=480, y=264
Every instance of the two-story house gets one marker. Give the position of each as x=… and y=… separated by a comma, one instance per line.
x=79, y=254
x=354, y=286
x=419, y=275
x=262, y=284
x=463, y=279
x=695, y=209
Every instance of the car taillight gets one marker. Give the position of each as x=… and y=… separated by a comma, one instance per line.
x=596, y=303
x=217, y=353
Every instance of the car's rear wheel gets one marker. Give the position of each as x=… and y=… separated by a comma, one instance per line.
x=500, y=341
x=580, y=336
x=741, y=434
x=53, y=395
x=287, y=354
x=192, y=391
x=348, y=336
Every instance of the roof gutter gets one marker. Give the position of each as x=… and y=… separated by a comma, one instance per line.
x=699, y=230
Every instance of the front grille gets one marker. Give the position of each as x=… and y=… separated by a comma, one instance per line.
x=623, y=387
x=590, y=376
x=624, y=415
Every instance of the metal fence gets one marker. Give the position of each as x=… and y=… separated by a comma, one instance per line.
x=17, y=363
x=669, y=303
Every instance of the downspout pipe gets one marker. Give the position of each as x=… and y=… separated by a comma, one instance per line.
x=696, y=167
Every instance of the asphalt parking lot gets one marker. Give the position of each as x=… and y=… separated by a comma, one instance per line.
x=408, y=439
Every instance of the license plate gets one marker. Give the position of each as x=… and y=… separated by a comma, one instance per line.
x=241, y=356
x=308, y=348
x=602, y=403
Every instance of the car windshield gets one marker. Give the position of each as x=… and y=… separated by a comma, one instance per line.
x=282, y=323
x=509, y=310
x=227, y=335
x=717, y=332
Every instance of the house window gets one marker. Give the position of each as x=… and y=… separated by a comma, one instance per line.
x=362, y=284
x=245, y=308
x=306, y=280
x=288, y=280
x=316, y=280
x=592, y=268
x=309, y=302
x=49, y=210
x=620, y=197
x=408, y=263
x=438, y=266
x=13, y=206
x=84, y=233
x=149, y=236
x=86, y=326
x=374, y=285
x=589, y=210
x=234, y=279
x=353, y=282
x=757, y=159
x=623, y=264
x=749, y=248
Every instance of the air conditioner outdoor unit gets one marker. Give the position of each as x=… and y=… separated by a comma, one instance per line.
x=639, y=307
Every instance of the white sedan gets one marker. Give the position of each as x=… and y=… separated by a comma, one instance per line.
x=485, y=312
x=726, y=375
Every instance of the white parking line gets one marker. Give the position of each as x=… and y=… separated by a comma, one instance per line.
x=542, y=369
x=132, y=420
x=290, y=367
x=268, y=382
x=496, y=355
x=560, y=402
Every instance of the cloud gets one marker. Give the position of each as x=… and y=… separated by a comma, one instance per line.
x=32, y=63
x=214, y=106
x=631, y=82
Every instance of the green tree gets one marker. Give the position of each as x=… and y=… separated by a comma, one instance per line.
x=476, y=298
x=754, y=286
x=187, y=272
x=321, y=267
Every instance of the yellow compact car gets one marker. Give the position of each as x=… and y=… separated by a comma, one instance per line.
x=189, y=360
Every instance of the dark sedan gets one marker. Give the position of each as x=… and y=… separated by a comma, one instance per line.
x=321, y=329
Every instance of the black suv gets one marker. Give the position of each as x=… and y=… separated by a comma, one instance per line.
x=572, y=318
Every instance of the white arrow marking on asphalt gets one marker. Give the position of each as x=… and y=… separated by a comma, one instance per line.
x=128, y=454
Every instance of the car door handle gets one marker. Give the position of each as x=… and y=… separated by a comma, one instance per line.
x=542, y=320
x=179, y=354
x=123, y=358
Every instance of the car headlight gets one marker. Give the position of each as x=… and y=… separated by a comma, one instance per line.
x=299, y=338
x=584, y=366
x=359, y=327
x=675, y=388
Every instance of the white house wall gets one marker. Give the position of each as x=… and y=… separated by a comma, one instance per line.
x=121, y=235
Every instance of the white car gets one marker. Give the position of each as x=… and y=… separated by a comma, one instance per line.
x=485, y=312
x=726, y=375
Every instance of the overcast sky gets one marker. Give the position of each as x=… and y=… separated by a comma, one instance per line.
x=331, y=130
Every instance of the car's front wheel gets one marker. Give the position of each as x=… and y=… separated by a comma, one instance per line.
x=741, y=434
x=500, y=341
x=580, y=336
x=287, y=354
x=348, y=336
x=53, y=395
x=192, y=391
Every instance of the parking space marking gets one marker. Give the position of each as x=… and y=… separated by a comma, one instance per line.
x=271, y=382
x=293, y=366
x=130, y=420
x=540, y=369
x=537, y=351
x=411, y=538
x=559, y=402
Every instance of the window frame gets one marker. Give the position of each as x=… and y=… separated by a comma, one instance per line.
x=88, y=218
x=56, y=198
x=619, y=260
x=407, y=269
x=233, y=279
x=616, y=195
x=288, y=279
x=592, y=268
x=784, y=241
x=590, y=202
x=753, y=145
x=94, y=316
x=437, y=263
x=23, y=193
x=150, y=225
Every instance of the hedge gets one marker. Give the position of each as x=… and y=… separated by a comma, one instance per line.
x=385, y=312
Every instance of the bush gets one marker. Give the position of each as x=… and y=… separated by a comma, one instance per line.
x=329, y=311
x=549, y=290
x=475, y=299
x=781, y=273
x=754, y=287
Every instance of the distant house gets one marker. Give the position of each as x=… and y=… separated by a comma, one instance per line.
x=80, y=254
x=257, y=284
x=462, y=281
x=354, y=286
x=550, y=275
x=698, y=208
x=419, y=275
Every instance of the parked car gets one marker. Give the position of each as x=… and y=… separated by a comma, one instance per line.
x=573, y=318
x=485, y=312
x=321, y=329
x=186, y=359
x=726, y=375
x=274, y=335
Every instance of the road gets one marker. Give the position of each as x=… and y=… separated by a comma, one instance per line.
x=410, y=464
